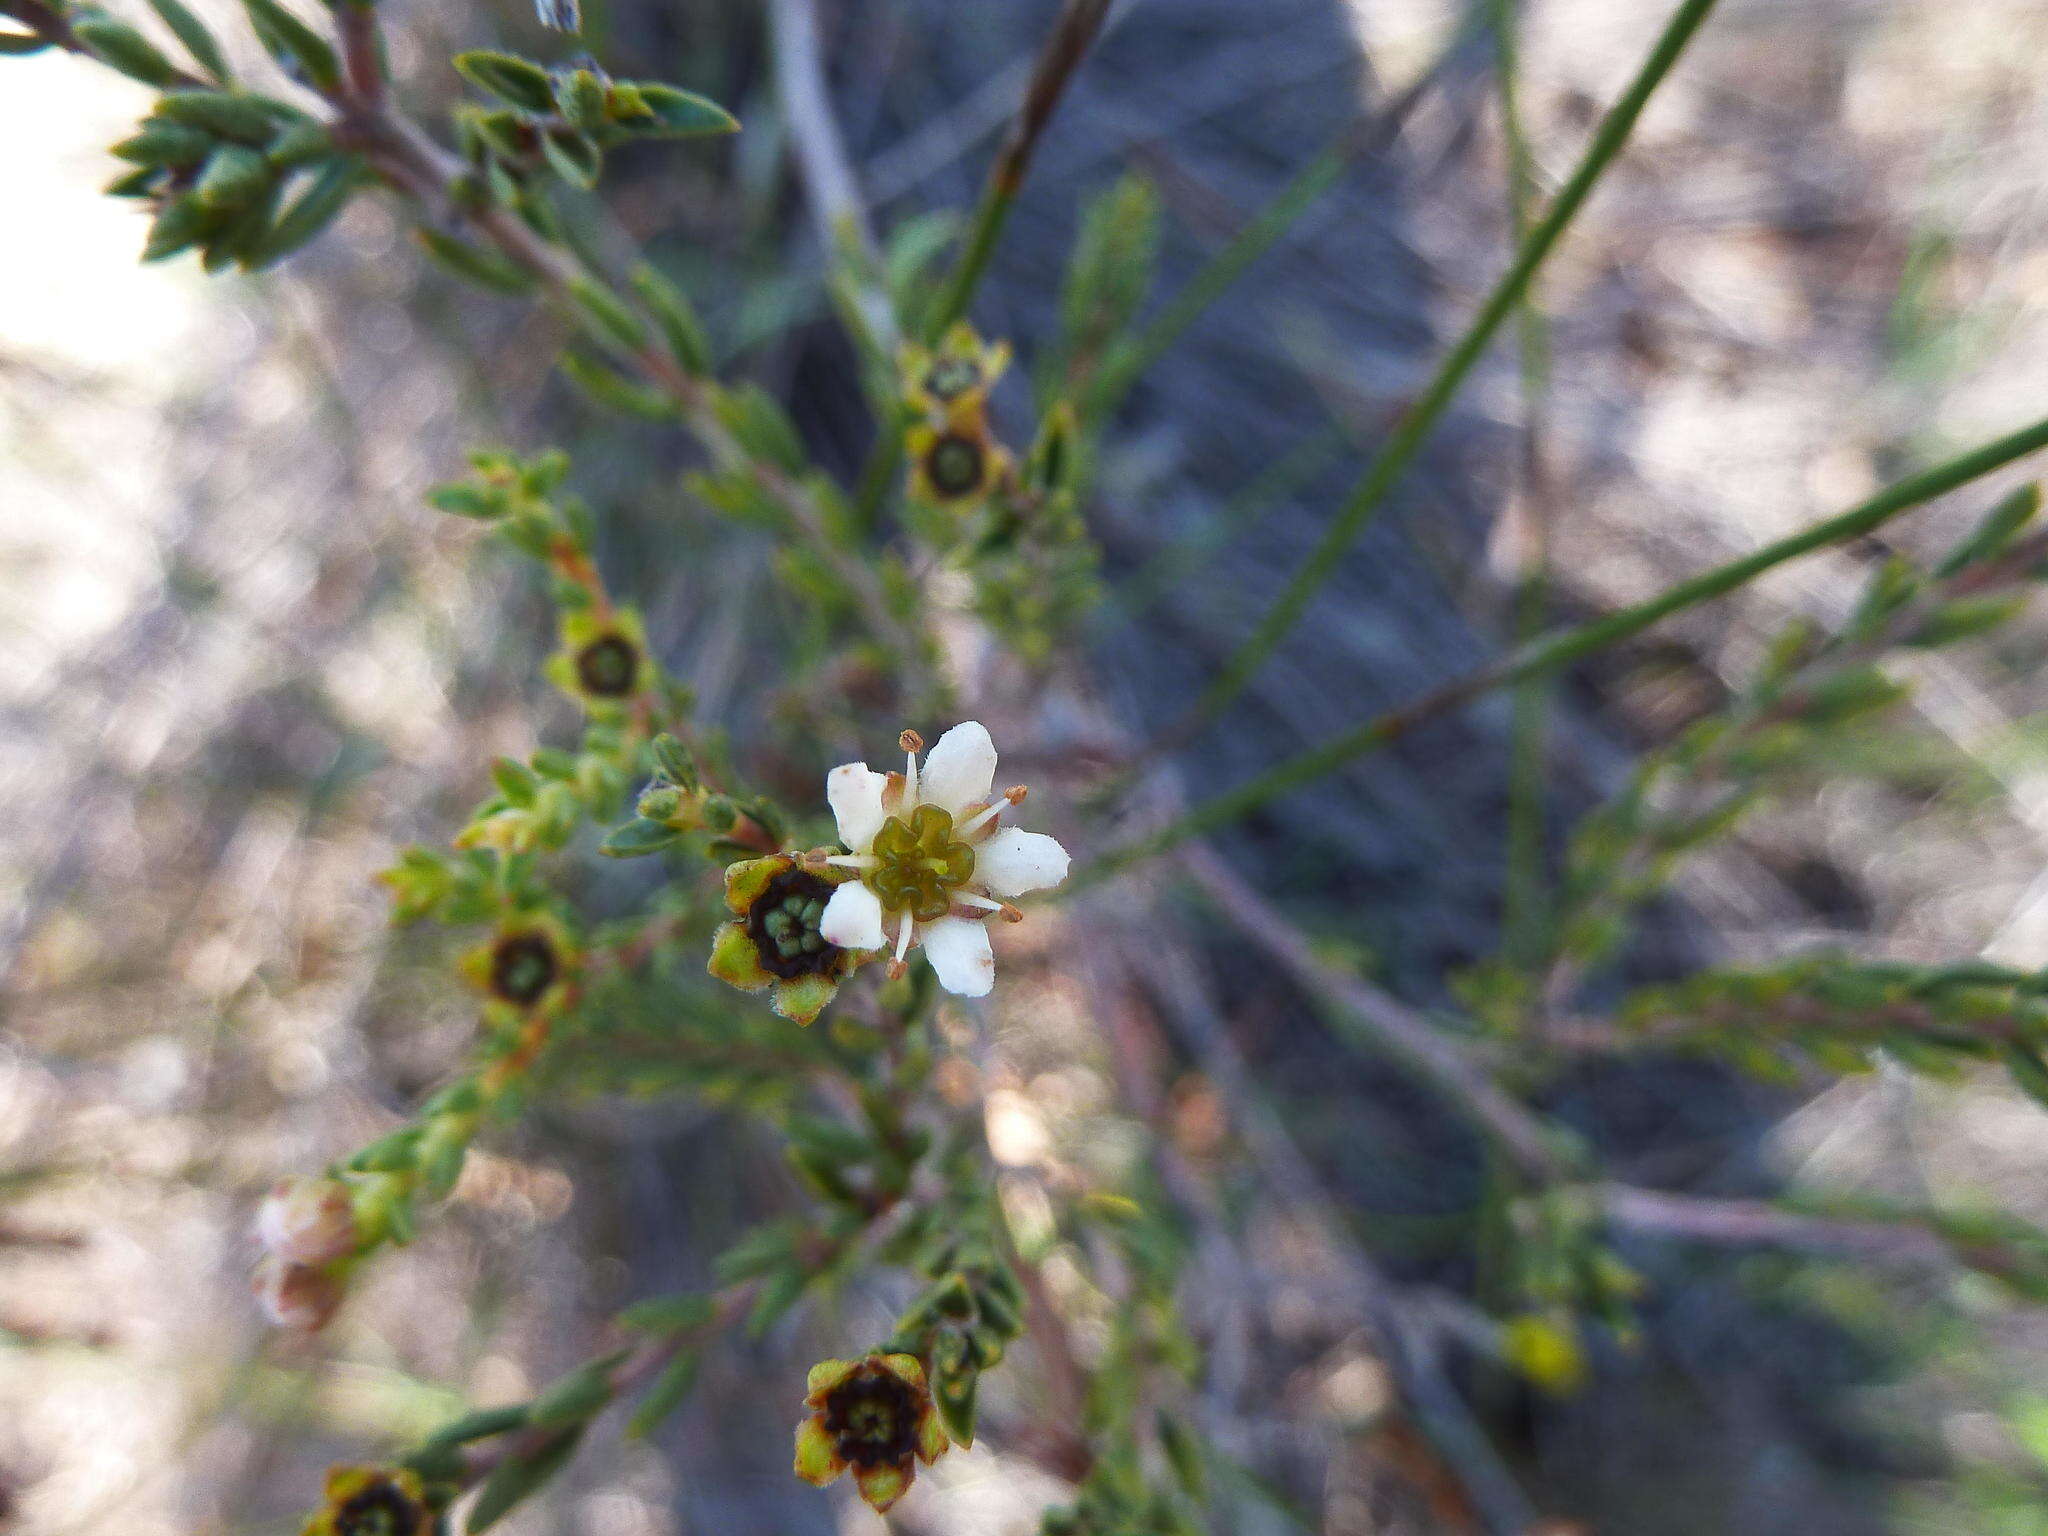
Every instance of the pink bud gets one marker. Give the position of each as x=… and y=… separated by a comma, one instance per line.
x=307, y=1221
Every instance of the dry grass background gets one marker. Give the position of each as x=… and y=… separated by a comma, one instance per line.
x=241, y=664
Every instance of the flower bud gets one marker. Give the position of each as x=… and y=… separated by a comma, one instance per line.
x=296, y=1296
x=307, y=1221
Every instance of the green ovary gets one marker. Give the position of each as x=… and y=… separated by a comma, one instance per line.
x=921, y=864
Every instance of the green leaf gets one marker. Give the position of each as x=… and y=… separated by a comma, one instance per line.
x=235, y=177
x=677, y=317
x=611, y=389
x=577, y=1397
x=474, y=264
x=761, y=427
x=184, y=222
x=193, y=33
x=233, y=115
x=581, y=96
x=678, y=114
x=669, y=1314
x=169, y=144
x=574, y=156
x=137, y=183
x=466, y=501
x=515, y=1481
x=514, y=780
x=665, y=1396
x=605, y=317
x=311, y=212
x=2000, y=526
x=638, y=838
x=302, y=52
x=516, y=81
x=121, y=47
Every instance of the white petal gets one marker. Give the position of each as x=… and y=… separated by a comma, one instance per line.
x=854, y=791
x=1013, y=862
x=959, y=769
x=958, y=950
x=853, y=918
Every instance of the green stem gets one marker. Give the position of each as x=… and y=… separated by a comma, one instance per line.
x=1418, y=421
x=1540, y=657
x=1072, y=35
x=1524, y=900
x=1137, y=355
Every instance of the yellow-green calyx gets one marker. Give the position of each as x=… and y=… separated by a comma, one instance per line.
x=921, y=862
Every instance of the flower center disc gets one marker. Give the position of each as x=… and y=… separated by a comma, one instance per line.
x=954, y=465
x=606, y=666
x=783, y=924
x=922, y=862
x=873, y=1420
x=522, y=968
x=379, y=1510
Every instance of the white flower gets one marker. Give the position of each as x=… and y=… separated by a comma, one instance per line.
x=933, y=857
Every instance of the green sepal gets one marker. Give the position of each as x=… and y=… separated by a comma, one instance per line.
x=516, y=81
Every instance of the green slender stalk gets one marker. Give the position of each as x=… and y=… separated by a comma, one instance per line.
x=1072, y=35
x=1274, y=484
x=1524, y=892
x=1137, y=355
x=1546, y=655
x=1420, y=419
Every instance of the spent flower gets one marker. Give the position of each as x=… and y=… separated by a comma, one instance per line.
x=932, y=858
x=774, y=942
x=874, y=1415
x=372, y=1501
x=300, y=1297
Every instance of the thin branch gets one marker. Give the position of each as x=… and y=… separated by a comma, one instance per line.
x=1080, y=22
x=1416, y=424
x=1534, y=1147
x=1561, y=648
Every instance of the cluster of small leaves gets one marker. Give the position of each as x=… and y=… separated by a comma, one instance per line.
x=1810, y=692
x=1563, y=1274
x=1838, y=1014
x=680, y=800
x=1151, y=1473
x=561, y=121
x=239, y=176
x=972, y=1307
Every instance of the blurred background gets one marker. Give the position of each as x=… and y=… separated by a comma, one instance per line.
x=242, y=664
